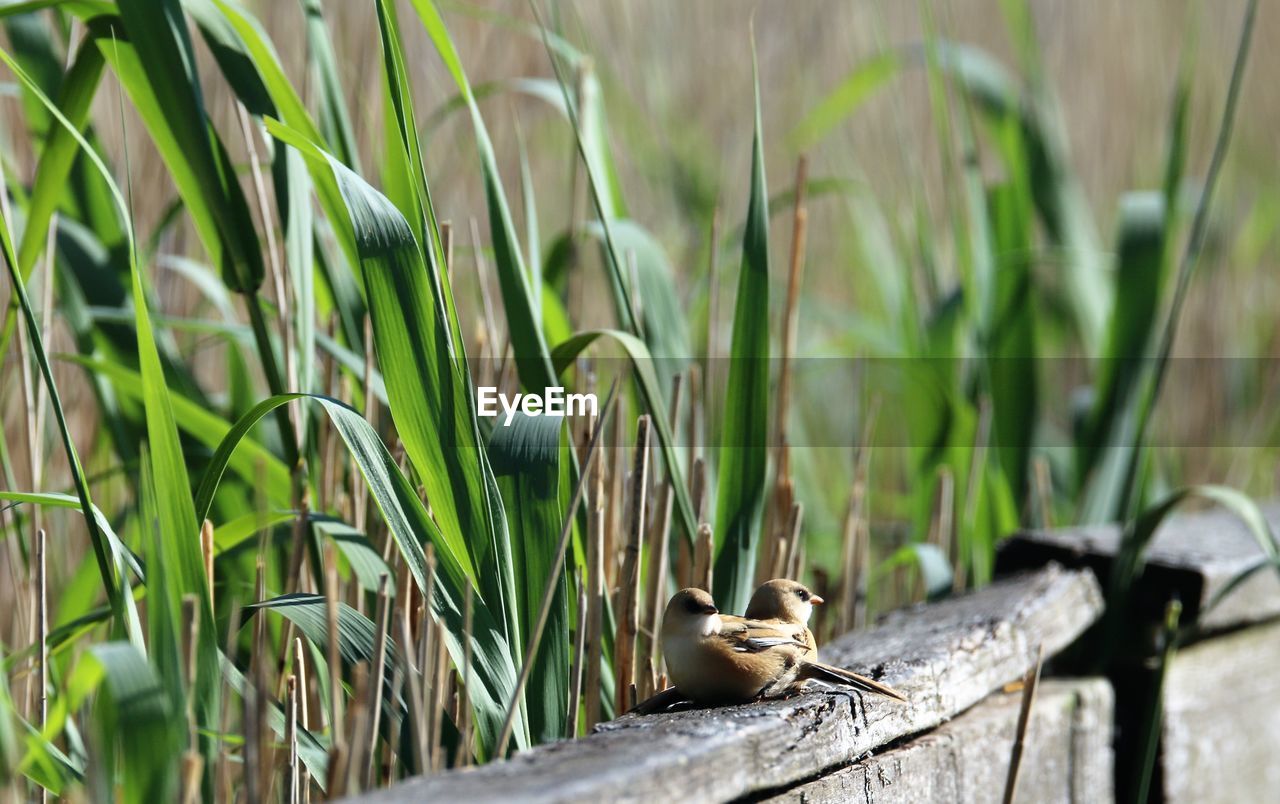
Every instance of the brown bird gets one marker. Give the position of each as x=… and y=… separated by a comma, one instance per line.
x=716, y=659
x=785, y=602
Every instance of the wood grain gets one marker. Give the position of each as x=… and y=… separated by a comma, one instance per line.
x=1222, y=719
x=946, y=657
x=1067, y=756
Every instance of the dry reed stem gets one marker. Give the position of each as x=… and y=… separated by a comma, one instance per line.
x=222, y=771
x=273, y=252
x=977, y=469
x=249, y=771
x=659, y=555
x=190, y=643
x=789, y=560
x=856, y=548
x=702, y=555
x=574, y=703
x=292, y=785
x=259, y=667
x=304, y=710
x=1030, y=681
x=710, y=383
x=331, y=592
x=441, y=675
x=379, y=675
x=595, y=610
x=695, y=411
x=42, y=637
x=624, y=645
x=206, y=552
x=415, y=699
x=942, y=526
x=659, y=561
x=357, y=724
x=482, y=279
x=464, y=706
x=1043, y=479
x=614, y=505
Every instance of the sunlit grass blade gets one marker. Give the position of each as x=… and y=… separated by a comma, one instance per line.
x=158, y=72
x=532, y=356
x=744, y=451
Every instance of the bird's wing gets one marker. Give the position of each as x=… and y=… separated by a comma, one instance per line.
x=754, y=636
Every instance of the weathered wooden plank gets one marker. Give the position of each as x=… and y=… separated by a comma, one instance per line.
x=1222, y=719
x=1067, y=755
x=1193, y=555
x=945, y=657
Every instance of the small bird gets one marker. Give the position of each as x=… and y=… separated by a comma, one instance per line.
x=717, y=659
x=785, y=602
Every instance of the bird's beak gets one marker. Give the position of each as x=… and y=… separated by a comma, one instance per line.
x=711, y=610
x=815, y=600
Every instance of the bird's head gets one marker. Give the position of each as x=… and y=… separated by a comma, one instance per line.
x=782, y=599
x=693, y=611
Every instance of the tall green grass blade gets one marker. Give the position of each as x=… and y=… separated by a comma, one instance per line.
x=335, y=120
x=744, y=452
x=158, y=69
x=624, y=305
x=532, y=357
x=1011, y=348
x=1198, y=234
x=526, y=463
x=75, y=94
x=427, y=385
x=164, y=608
x=290, y=109
x=1042, y=154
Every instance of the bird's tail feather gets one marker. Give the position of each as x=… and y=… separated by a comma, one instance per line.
x=825, y=672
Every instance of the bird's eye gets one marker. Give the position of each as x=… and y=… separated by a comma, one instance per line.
x=803, y=594
x=692, y=606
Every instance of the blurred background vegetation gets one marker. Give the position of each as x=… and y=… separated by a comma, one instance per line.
x=1000, y=203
